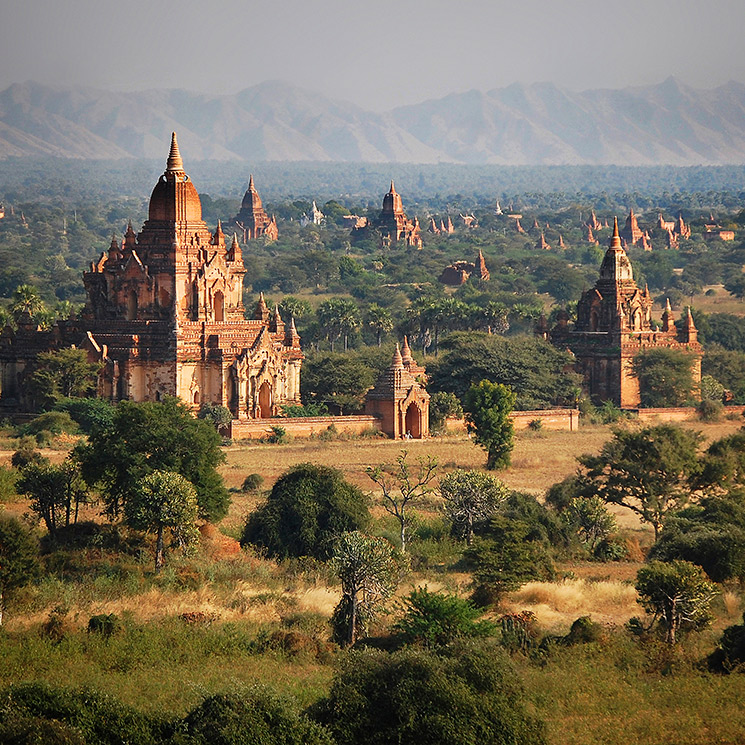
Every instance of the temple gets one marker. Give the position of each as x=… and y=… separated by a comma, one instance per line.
x=164, y=317
x=252, y=218
x=392, y=224
x=614, y=324
x=399, y=399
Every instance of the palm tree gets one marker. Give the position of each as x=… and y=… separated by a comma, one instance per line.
x=26, y=300
x=380, y=320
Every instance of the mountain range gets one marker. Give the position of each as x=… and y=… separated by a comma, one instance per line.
x=539, y=124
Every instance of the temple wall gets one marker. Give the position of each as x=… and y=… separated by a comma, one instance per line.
x=564, y=420
x=254, y=429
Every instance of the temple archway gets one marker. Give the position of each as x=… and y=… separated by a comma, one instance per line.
x=132, y=306
x=413, y=422
x=218, y=307
x=265, y=400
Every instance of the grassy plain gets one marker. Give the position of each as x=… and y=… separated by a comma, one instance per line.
x=616, y=691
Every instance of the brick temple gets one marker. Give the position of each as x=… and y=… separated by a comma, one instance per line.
x=164, y=317
x=614, y=324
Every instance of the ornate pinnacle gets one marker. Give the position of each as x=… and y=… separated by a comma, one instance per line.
x=174, y=157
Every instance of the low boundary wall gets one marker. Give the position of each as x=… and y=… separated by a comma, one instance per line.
x=256, y=429
x=681, y=414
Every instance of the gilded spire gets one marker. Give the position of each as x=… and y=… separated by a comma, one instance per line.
x=393, y=188
x=174, y=157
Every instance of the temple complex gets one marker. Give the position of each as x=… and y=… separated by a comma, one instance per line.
x=392, y=224
x=459, y=272
x=614, y=324
x=164, y=317
x=399, y=398
x=252, y=218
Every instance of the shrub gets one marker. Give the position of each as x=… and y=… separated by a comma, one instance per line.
x=309, y=507
x=55, y=422
x=583, y=631
x=279, y=435
x=535, y=425
x=730, y=652
x=252, y=483
x=252, y=716
x=105, y=624
x=432, y=619
x=462, y=695
x=709, y=410
x=88, y=413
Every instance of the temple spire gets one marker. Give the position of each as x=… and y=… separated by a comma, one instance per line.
x=398, y=362
x=174, y=157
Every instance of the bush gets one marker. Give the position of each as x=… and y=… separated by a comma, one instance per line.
x=460, y=696
x=583, y=631
x=252, y=483
x=441, y=406
x=309, y=507
x=55, y=422
x=105, y=624
x=730, y=652
x=709, y=410
x=432, y=619
x=279, y=435
x=254, y=716
x=88, y=413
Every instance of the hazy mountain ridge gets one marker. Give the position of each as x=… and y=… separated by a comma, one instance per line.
x=540, y=124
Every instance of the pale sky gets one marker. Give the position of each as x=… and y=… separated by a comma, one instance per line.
x=378, y=54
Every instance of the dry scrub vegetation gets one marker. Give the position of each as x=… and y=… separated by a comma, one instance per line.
x=610, y=692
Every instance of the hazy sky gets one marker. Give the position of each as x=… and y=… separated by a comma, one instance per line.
x=378, y=54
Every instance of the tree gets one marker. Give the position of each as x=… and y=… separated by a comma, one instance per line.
x=380, y=320
x=19, y=559
x=401, y=487
x=677, y=594
x=590, y=519
x=488, y=406
x=505, y=558
x=461, y=695
x=62, y=374
x=368, y=573
x=339, y=316
x=308, y=509
x=146, y=437
x=441, y=406
x=56, y=492
x=665, y=377
x=472, y=498
x=540, y=374
x=219, y=416
x=433, y=619
x=648, y=471
x=26, y=301
x=336, y=380
x=164, y=500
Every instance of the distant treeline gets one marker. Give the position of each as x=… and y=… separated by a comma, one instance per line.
x=68, y=181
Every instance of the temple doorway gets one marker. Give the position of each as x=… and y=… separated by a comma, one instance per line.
x=219, y=307
x=132, y=306
x=265, y=400
x=413, y=422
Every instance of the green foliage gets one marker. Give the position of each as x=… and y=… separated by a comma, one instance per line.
x=471, y=500
x=56, y=492
x=219, y=416
x=335, y=380
x=433, y=619
x=89, y=413
x=55, y=422
x=665, y=377
x=252, y=483
x=19, y=558
x=538, y=373
x=709, y=410
x=711, y=535
x=8, y=478
x=279, y=435
x=160, y=501
x=310, y=409
x=729, y=656
x=105, y=624
x=62, y=374
x=727, y=367
x=308, y=509
x=460, y=696
x=255, y=715
x=647, y=470
x=677, y=594
x=488, y=406
x=441, y=406
x=368, y=572
x=145, y=437
x=71, y=717
x=590, y=519
x=506, y=558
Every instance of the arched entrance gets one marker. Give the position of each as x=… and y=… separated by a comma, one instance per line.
x=265, y=400
x=132, y=306
x=413, y=422
x=219, y=307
